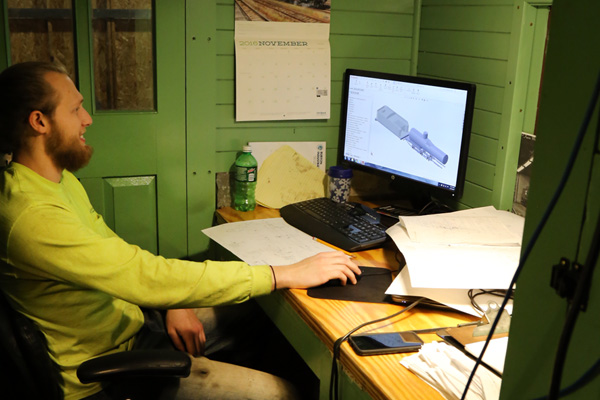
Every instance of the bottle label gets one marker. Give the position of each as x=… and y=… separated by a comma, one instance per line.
x=245, y=174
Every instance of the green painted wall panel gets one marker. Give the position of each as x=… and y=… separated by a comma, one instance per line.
x=476, y=196
x=483, y=148
x=570, y=74
x=383, y=6
x=225, y=67
x=131, y=209
x=480, y=173
x=371, y=47
x=371, y=24
x=486, y=123
x=472, y=44
x=489, y=98
x=225, y=15
x=477, y=70
x=467, y=2
x=484, y=17
x=340, y=64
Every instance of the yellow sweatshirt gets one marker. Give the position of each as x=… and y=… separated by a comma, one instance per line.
x=62, y=267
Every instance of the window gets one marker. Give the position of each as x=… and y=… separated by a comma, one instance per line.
x=123, y=51
x=42, y=32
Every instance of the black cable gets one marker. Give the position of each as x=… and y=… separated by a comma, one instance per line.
x=580, y=295
x=494, y=292
x=583, y=380
x=541, y=224
x=333, y=384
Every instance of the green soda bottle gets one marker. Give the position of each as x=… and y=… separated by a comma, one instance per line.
x=245, y=181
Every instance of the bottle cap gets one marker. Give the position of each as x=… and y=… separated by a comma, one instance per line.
x=340, y=172
x=247, y=149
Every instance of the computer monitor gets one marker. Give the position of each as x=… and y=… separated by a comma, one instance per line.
x=411, y=129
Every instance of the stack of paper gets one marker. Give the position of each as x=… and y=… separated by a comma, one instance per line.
x=447, y=370
x=448, y=254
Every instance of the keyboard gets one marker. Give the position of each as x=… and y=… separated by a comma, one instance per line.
x=349, y=226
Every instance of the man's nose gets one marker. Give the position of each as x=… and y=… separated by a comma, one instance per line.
x=87, y=118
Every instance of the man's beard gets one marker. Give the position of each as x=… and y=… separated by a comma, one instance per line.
x=67, y=154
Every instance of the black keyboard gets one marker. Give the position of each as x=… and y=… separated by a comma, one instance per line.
x=349, y=226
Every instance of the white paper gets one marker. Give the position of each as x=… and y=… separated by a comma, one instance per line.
x=312, y=151
x=447, y=370
x=495, y=354
x=455, y=298
x=462, y=265
x=265, y=241
x=443, y=228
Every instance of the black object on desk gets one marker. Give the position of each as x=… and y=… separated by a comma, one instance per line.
x=349, y=226
x=370, y=288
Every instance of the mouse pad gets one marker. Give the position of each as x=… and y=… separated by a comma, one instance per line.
x=370, y=288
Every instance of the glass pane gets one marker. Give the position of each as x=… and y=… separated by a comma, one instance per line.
x=42, y=31
x=123, y=54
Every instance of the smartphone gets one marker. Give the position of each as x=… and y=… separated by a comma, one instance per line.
x=385, y=343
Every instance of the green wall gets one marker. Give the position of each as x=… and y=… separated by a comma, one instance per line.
x=364, y=35
x=479, y=41
x=572, y=67
x=486, y=42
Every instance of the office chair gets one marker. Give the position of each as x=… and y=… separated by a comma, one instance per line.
x=27, y=372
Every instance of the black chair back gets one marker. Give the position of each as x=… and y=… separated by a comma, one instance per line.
x=26, y=370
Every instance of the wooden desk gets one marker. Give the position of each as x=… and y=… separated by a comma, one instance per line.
x=313, y=325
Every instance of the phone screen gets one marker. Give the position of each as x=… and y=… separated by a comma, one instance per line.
x=385, y=343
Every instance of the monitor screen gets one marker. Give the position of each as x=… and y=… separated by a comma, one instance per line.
x=414, y=129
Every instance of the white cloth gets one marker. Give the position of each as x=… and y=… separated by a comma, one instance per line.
x=447, y=370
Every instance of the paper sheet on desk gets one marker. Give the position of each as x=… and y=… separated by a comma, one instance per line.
x=265, y=241
x=455, y=298
x=463, y=265
x=287, y=177
x=495, y=354
x=447, y=369
x=459, y=229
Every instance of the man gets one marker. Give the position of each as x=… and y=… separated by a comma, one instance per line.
x=62, y=267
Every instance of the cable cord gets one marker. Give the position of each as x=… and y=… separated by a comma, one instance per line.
x=333, y=384
x=540, y=226
x=583, y=380
x=581, y=293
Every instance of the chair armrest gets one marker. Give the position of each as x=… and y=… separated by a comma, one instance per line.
x=135, y=363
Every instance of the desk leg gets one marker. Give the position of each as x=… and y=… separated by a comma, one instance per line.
x=312, y=350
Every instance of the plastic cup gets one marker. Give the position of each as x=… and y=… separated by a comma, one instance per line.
x=340, y=179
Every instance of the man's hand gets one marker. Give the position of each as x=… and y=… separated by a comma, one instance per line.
x=316, y=270
x=186, y=331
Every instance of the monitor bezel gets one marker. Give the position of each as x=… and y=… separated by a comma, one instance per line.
x=400, y=182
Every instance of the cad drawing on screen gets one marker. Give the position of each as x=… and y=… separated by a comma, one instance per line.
x=420, y=142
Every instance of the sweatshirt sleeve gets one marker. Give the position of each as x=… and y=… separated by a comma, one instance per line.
x=49, y=241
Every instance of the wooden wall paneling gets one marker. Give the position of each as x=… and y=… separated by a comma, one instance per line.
x=480, y=173
x=374, y=36
x=519, y=60
x=483, y=148
x=393, y=66
x=486, y=123
x=461, y=16
x=201, y=68
x=131, y=208
x=469, y=40
x=371, y=23
x=475, y=196
x=461, y=68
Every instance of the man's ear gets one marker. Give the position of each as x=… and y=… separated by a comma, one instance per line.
x=39, y=122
